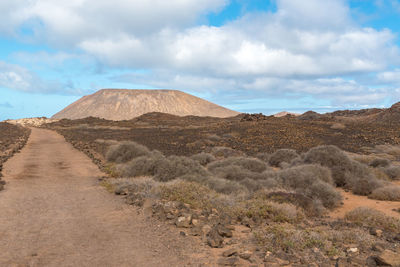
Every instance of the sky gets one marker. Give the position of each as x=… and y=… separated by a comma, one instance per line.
x=251, y=56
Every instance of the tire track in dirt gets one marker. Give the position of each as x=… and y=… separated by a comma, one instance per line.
x=53, y=212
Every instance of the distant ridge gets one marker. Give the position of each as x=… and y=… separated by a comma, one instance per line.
x=125, y=104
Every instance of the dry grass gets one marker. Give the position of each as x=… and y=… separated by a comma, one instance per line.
x=282, y=155
x=373, y=218
x=191, y=193
x=126, y=151
x=203, y=158
x=390, y=193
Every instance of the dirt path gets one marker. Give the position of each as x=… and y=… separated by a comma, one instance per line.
x=53, y=212
x=352, y=201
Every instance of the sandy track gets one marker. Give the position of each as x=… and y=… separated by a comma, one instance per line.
x=54, y=213
x=351, y=201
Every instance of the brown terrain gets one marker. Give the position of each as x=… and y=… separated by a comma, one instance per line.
x=12, y=139
x=365, y=135
x=183, y=213
x=55, y=213
x=118, y=104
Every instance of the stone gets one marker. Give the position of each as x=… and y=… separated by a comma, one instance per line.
x=246, y=255
x=223, y=231
x=388, y=257
x=370, y=262
x=184, y=221
x=397, y=237
x=375, y=232
x=214, y=239
x=195, y=222
x=229, y=252
x=231, y=261
x=378, y=247
x=352, y=250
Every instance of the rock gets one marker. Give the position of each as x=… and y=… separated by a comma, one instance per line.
x=184, y=221
x=375, y=232
x=397, y=237
x=388, y=257
x=214, y=239
x=195, y=222
x=231, y=261
x=352, y=250
x=224, y=231
x=196, y=231
x=370, y=262
x=206, y=229
x=282, y=262
x=378, y=247
x=229, y=252
x=245, y=254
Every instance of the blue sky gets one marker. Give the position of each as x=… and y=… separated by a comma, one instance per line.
x=251, y=56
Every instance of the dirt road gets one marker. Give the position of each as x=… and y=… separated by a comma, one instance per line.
x=53, y=212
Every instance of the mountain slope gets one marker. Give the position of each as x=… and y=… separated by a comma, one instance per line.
x=122, y=104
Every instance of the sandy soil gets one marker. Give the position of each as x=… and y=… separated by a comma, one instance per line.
x=53, y=212
x=352, y=201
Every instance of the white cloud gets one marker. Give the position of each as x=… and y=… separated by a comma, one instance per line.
x=295, y=50
x=21, y=79
x=390, y=76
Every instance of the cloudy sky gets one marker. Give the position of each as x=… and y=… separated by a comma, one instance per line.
x=251, y=56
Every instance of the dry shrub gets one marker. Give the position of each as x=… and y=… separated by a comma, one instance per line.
x=379, y=162
x=203, y=158
x=250, y=164
x=310, y=206
x=282, y=155
x=278, y=237
x=194, y=194
x=393, y=150
x=176, y=166
x=232, y=173
x=237, y=173
x=264, y=156
x=389, y=192
x=142, y=166
x=261, y=210
x=143, y=185
x=393, y=172
x=313, y=181
x=225, y=152
x=373, y=218
x=126, y=151
x=333, y=158
x=345, y=172
x=379, y=174
x=361, y=180
x=217, y=184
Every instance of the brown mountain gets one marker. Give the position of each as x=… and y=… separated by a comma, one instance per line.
x=122, y=104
